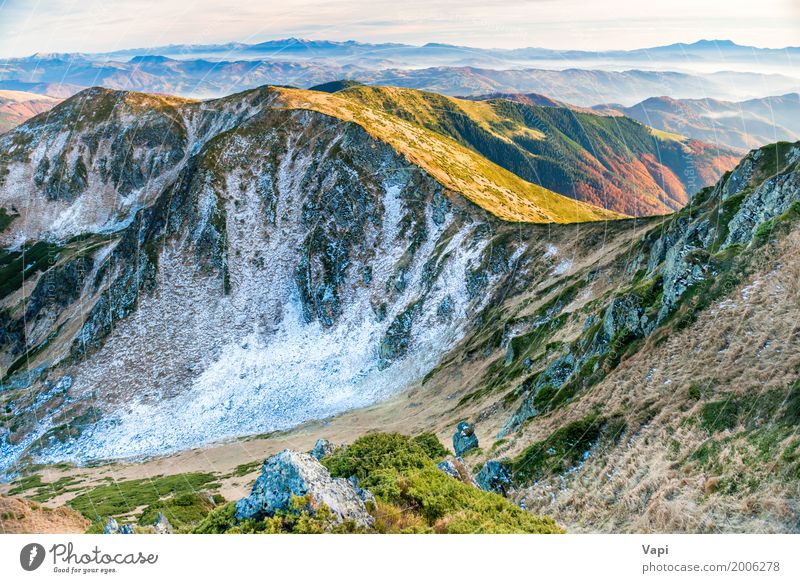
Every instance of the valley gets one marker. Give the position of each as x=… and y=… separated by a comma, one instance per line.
x=190, y=286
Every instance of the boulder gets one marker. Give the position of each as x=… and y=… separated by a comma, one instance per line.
x=494, y=477
x=292, y=473
x=453, y=467
x=162, y=525
x=322, y=448
x=365, y=495
x=114, y=527
x=464, y=439
x=448, y=467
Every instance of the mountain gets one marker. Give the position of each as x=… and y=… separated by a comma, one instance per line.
x=626, y=375
x=289, y=218
x=584, y=87
x=18, y=106
x=180, y=274
x=612, y=162
x=207, y=78
x=743, y=124
x=701, y=56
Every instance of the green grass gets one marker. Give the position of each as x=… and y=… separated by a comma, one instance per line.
x=757, y=432
x=565, y=448
x=123, y=497
x=246, y=468
x=183, y=511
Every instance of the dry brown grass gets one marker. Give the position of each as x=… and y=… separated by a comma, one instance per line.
x=649, y=484
x=18, y=516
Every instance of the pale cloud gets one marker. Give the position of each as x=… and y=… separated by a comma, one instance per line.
x=28, y=26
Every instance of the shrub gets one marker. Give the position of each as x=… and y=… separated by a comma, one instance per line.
x=415, y=496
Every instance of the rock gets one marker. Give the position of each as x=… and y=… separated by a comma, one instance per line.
x=494, y=477
x=464, y=438
x=449, y=468
x=453, y=467
x=322, y=448
x=365, y=495
x=290, y=474
x=114, y=527
x=162, y=525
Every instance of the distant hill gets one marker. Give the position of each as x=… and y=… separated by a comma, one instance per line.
x=701, y=56
x=156, y=72
x=612, y=162
x=19, y=106
x=334, y=86
x=743, y=124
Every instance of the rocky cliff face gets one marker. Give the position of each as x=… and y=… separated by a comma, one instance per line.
x=678, y=269
x=209, y=272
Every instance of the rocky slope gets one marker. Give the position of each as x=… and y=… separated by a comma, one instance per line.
x=169, y=264
x=655, y=388
x=281, y=256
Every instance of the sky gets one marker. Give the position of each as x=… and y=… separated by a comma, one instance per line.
x=29, y=26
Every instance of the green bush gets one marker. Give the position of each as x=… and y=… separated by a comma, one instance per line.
x=432, y=446
x=415, y=496
x=298, y=519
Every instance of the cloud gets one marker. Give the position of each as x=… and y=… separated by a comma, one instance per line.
x=92, y=25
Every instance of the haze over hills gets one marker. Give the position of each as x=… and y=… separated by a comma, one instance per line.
x=701, y=56
x=743, y=124
x=208, y=72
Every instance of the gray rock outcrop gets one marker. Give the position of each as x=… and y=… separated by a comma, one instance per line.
x=464, y=439
x=494, y=477
x=290, y=474
x=321, y=448
x=453, y=467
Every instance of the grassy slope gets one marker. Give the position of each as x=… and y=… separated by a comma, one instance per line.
x=613, y=162
x=458, y=168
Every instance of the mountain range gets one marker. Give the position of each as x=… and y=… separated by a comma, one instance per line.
x=58, y=75
x=178, y=274
x=702, y=56
x=743, y=124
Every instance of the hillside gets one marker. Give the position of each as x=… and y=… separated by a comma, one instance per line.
x=612, y=162
x=324, y=221
x=742, y=124
x=19, y=106
x=632, y=376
